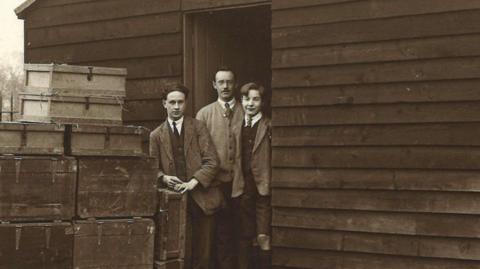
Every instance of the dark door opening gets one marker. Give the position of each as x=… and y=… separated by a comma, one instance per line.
x=239, y=38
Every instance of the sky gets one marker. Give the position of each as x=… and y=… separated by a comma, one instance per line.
x=11, y=37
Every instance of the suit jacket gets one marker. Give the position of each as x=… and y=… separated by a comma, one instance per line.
x=200, y=156
x=262, y=156
x=225, y=134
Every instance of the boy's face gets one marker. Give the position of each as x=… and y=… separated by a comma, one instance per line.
x=252, y=103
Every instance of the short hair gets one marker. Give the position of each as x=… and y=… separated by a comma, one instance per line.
x=175, y=88
x=252, y=86
x=225, y=69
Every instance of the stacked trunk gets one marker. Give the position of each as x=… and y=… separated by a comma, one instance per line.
x=171, y=236
x=76, y=188
x=37, y=197
x=72, y=94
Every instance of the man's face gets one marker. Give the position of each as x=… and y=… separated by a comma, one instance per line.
x=175, y=105
x=225, y=85
x=252, y=103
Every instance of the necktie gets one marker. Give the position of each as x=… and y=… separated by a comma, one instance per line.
x=249, y=122
x=175, y=130
x=228, y=110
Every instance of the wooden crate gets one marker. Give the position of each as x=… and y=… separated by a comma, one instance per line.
x=28, y=138
x=116, y=187
x=70, y=109
x=91, y=140
x=113, y=243
x=171, y=225
x=70, y=80
x=37, y=188
x=170, y=264
x=36, y=245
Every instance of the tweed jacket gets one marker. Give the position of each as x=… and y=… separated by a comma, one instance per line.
x=262, y=156
x=201, y=161
x=225, y=134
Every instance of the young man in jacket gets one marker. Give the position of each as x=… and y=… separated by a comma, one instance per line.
x=188, y=163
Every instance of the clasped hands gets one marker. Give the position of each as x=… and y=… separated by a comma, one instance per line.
x=175, y=183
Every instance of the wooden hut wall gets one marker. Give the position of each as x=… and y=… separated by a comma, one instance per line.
x=143, y=36
x=376, y=113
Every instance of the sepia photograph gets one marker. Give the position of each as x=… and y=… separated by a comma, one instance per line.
x=240, y=134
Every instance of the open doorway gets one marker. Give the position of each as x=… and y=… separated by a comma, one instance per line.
x=236, y=37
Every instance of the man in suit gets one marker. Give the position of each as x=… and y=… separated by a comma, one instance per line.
x=188, y=163
x=224, y=121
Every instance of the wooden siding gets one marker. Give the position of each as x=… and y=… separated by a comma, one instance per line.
x=145, y=38
x=376, y=158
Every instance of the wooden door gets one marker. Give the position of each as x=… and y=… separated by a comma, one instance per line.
x=239, y=38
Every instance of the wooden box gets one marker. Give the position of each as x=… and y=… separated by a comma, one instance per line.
x=170, y=264
x=70, y=109
x=171, y=225
x=116, y=187
x=36, y=245
x=70, y=80
x=91, y=140
x=1, y=108
x=37, y=188
x=113, y=243
x=31, y=139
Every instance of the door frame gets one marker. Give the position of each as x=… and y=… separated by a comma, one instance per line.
x=188, y=41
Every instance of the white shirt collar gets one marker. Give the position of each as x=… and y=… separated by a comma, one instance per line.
x=231, y=103
x=178, y=124
x=255, y=119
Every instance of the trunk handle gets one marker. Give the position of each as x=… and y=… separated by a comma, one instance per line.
x=107, y=138
x=23, y=141
x=53, y=168
x=18, y=234
x=48, y=235
x=18, y=164
x=99, y=233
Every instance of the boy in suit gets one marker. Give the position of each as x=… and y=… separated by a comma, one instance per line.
x=252, y=208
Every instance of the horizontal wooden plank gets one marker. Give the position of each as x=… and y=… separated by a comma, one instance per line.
x=49, y=3
x=410, y=92
x=150, y=67
x=406, y=71
x=466, y=158
x=145, y=89
x=105, y=30
x=149, y=124
x=365, y=10
x=283, y=267
x=377, y=200
x=138, y=47
x=416, y=246
x=287, y=4
x=443, y=225
x=442, y=134
x=380, y=179
x=397, y=50
x=377, y=114
x=298, y=258
x=97, y=11
x=453, y=23
x=146, y=110
x=204, y=4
